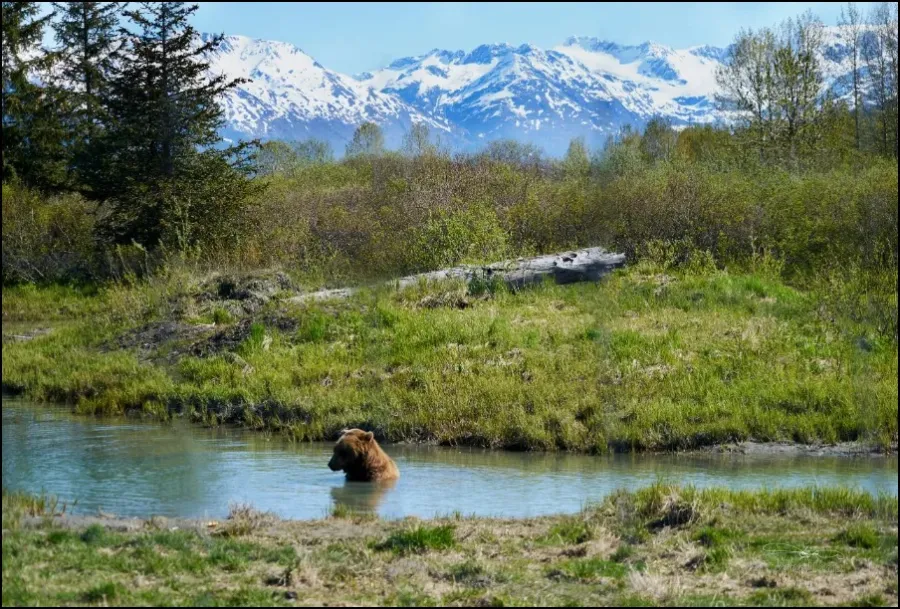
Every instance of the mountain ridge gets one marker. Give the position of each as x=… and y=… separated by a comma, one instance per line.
x=584, y=87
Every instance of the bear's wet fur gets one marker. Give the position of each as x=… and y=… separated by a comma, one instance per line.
x=361, y=458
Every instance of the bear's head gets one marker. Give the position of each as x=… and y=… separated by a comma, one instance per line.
x=359, y=456
x=351, y=450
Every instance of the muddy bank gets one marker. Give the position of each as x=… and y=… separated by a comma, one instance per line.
x=788, y=449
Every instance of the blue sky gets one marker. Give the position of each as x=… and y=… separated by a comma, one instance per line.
x=352, y=37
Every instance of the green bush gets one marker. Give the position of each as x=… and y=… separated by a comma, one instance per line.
x=375, y=217
x=46, y=239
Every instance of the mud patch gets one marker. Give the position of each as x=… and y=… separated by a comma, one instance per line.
x=228, y=339
x=154, y=335
x=842, y=449
x=242, y=295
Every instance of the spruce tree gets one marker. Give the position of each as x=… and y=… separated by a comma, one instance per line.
x=32, y=131
x=169, y=178
x=88, y=36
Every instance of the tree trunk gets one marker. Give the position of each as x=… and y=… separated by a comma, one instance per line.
x=589, y=264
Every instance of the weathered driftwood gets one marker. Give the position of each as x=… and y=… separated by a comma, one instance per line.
x=570, y=267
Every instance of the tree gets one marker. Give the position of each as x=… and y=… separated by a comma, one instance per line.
x=879, y=50
x=169, y=178
x=659, y=140
x=313, y=152
x=797, y=82
x=745, y=83
x=275, y=158
x=32, y=130
x=620, y=156
x=512, y=152
x=87, y=33
x=368, y=140
x=773, y=81
x=417, y=141
x=852, y=29
x=576, y=163
x=706, y=144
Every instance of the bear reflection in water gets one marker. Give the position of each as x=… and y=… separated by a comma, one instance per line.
x=362, y=497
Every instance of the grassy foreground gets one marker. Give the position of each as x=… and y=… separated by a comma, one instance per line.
x=663, y=545
x=653, y=358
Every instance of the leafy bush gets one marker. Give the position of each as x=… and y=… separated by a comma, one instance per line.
x=46, y=239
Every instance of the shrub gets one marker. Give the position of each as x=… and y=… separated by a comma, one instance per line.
x=46, y=239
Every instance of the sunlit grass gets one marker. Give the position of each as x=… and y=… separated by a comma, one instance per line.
x=646, y=360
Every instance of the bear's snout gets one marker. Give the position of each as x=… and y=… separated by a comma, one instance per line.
x=333, y=465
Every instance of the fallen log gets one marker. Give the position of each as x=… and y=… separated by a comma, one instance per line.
x=589, y=264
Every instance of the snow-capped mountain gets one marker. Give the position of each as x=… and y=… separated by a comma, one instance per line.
x=583, y=87
x=291, y=96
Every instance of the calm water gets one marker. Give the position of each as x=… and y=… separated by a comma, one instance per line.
x=139, y=469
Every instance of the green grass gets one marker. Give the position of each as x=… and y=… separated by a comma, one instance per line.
x=570, y=532
x=473, y=561
x=714, y=537
x=859, y=536
x=790, y=597
x=659, y=501
x=650, y=359
x=589, y=569
x=419, y=539
x=105, y=593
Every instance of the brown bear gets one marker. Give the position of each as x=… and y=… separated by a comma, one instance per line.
x=358, y=454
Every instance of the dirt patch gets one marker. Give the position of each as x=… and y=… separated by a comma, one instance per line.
x=227, y=339
x=150, y=337
x=243, y=294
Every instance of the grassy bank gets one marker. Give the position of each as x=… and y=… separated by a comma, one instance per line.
x=654, y=358
x=659, y=546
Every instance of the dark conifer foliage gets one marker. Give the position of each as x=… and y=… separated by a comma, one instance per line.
x=166, y=168
x=87, y=34
x=33, y=133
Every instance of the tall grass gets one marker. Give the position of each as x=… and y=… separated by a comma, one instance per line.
x=653, y=358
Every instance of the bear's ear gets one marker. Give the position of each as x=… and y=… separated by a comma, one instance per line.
x=368, y=436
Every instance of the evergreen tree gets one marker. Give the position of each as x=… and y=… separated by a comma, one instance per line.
x=32, y=132
x=169, y=178
x=87, y=33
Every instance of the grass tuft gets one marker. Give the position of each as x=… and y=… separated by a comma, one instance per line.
x=419, y=540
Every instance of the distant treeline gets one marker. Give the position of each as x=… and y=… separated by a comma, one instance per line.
x=113, y=164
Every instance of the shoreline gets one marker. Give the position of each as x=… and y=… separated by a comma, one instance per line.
x=749, y=447
x=663, y=545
